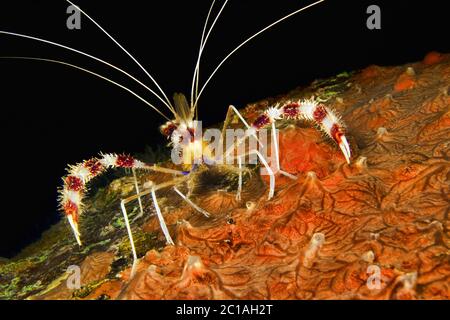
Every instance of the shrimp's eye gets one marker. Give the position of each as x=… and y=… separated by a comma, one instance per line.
x=168, y=128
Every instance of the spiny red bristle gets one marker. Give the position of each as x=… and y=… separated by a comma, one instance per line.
x=320, y=113
x=336, y=133
x=74, y=183
x=71, y=209
x=291, y=110
x=94, y=166
x=261, y=121
x=125, y=161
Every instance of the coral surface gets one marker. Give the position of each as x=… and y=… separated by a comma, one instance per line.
x=375, y=229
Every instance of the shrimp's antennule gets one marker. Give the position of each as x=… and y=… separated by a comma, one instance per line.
x=89, y=56
x=93, y=73
x=248, y=40
x=203, y=41
x=126, y=51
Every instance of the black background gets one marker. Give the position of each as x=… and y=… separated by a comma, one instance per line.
x=280, y=308
x=52, y=115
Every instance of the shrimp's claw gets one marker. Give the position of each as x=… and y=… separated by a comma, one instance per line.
x=74, y=226
x=345, y=148
x=337, y=132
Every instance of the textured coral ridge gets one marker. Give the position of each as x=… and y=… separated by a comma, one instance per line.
x=323, y=236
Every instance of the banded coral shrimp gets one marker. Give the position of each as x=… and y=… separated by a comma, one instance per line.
x=183, y=125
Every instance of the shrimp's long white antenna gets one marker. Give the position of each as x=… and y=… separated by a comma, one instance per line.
x=249, y=39
x=92, y=73
x=197, y=66
x=123, y=49
x=91, y=57
x=202, y=46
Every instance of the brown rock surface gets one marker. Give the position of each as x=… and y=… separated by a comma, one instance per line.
x=93, y=269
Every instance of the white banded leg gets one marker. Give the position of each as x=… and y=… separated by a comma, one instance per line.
x=238, y=194
x=250, y=130
x=130, y=237
x=136, y=186
x=157, y=168
x=277, y=153
x=233, y=108
x=269, y=171
x=193, y=205
x=267, y=167
x=162, y=223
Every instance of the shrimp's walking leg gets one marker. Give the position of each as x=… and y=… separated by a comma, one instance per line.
x=130, y=236
x=193, y=205
x=238, y=194
x=162, y=223
x=136, y=186
x=163, y=170
x=277, y=153
x=265, y=164
x=269, y=171
x=250, y=131
x=232, y=109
